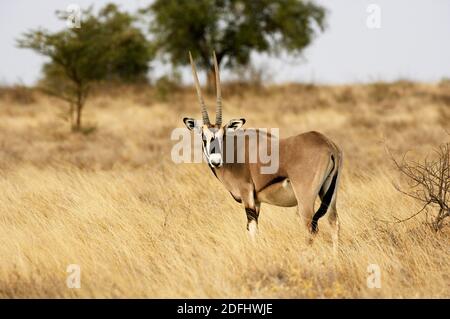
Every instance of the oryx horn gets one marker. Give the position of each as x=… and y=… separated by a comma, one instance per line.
x=218, y=92
x=199, y=92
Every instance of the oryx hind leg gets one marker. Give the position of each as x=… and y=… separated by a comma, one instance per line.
x=313, y=183
x=305, y=206
x=305, y=210
x=333, y=219
x=328, y=197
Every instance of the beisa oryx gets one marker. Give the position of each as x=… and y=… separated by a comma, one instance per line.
x=309, y=165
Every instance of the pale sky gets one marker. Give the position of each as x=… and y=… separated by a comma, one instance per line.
x=413, y=42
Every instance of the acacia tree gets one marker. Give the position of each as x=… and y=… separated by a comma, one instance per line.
x=233, y=28
x=106, y=47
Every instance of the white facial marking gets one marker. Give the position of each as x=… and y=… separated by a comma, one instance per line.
x=214, y=159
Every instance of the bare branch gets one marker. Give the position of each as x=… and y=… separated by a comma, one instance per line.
x=428, y=181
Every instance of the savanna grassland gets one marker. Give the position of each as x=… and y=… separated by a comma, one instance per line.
x=112, y=201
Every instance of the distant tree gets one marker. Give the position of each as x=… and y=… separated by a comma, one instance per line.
x=106, y=47
x=233, y=28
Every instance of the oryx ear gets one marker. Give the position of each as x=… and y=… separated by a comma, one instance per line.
x=191, y=123
x=234, y=124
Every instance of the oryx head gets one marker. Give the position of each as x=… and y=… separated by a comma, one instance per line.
x=212, y=134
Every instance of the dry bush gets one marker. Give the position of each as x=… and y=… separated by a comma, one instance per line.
x=429, y=183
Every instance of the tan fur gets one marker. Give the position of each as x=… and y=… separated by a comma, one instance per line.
x=305, y=169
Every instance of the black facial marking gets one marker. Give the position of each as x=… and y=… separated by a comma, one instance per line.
x=213, y=170
x=213, y=146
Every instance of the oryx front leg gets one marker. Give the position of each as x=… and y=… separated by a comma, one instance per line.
x=252, y=221
x=252, y=212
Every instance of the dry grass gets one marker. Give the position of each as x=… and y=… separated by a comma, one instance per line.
x=141, y=226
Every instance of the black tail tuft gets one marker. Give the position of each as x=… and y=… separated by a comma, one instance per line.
x=325, y=203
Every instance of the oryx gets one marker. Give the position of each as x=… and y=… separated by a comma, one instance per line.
x=309, y=166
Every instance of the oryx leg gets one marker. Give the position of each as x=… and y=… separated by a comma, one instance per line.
x=305, y=210
x=333, y=219
x=252, y=207
x=328, y=195
x=306, y=191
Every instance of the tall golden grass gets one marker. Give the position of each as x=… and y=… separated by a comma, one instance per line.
x=138, y=225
